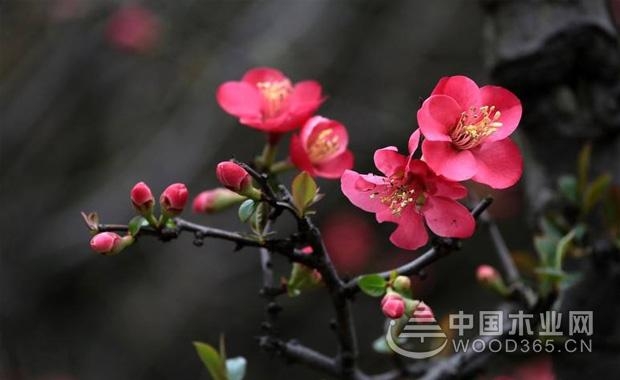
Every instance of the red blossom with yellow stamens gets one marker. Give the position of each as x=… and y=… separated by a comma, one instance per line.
x=410, y=195
x=321, y=148
x=265, y=99
x=466, y=131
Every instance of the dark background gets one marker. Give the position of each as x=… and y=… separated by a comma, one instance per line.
x=82, y=121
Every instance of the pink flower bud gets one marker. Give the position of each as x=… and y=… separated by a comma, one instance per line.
x=393, y=306
x=233, y=176
x=173, y=199
x=105, y=243
x=486, y=274
x=214, y=200
x=142, y=198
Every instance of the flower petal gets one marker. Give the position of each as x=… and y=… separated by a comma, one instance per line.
x=499, y=163
x=335, y=167
x=389, y=161
x=448, y=218
x=460, y=88
x=305, y=98
x=445, y=188
x=414, y=141
x=262, y=74
x=507, y=104
x=299, y=156
x=358, y=190
x=239, y=99
x=444, y=159
x=326, y=129
x=410, y=233
x=438, y=115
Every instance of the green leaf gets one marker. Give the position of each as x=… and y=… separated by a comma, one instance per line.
x=259, y=219
x=246, y=210
x=563, y=246
x=583, y=167
x=135, y=224
x=568, y=188
x=212, y=360
x=595, y=192
x=304, y=191
x=545, y=247
x=236, y=368
x=373, y=285
x=550, y=229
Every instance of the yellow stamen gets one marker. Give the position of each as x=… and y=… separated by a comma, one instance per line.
x=324, y=145
x=275, y=94
x=474, y=126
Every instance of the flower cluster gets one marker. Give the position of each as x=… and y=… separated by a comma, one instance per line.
x=265, y=99
x=465, y=130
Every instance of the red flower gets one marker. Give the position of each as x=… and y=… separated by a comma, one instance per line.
x=133, y=29
x=321, y=148
x=173, y=199
x=409, y=194
x=466, y=130
x=267, y=100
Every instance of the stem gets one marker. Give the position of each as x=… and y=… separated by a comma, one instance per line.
x=281, y=166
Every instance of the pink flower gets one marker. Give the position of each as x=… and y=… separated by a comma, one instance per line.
x=393, y=306
x=134, y=29
x=321, y=148
x=466, y=131
x=105, y=243
x=409, y=194
x=173, y=199
x=233, y=176
x=214, y=200
x=267, y=100
x=142, y=198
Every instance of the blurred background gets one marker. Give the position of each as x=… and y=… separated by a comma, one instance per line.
x=96, y=95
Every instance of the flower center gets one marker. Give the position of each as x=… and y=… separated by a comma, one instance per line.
x=323, y=145
x=474, y=126
x=399, y=195
x=275, y=95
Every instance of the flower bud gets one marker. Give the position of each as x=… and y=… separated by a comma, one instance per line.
x=401, y=284
x=215, y=200
x=142, y=198
x=109, y=243
x=236, y=178
x=173, y=199
x=393, y=306
x=233, y=176
x=486, y=274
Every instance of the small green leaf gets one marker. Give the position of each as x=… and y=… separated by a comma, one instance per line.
x=545, y=247
x=260, y=218
x=304, y=191
x=236, y=368
x=583, y=167
x=549, y=228
x=212, y=360
x=568, y=188
x=595, y=192
x=563, y=246
x=373, y=285
x=135, y=224
x=302, y=278
x=246, y=210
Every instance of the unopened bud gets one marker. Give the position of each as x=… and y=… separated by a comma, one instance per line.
x=490, y=277
x=142, y=198
x=173, y=199
x=401, y=284
x=236, y=178
x=109, y=243
x=215, y=200
x=393, y=306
